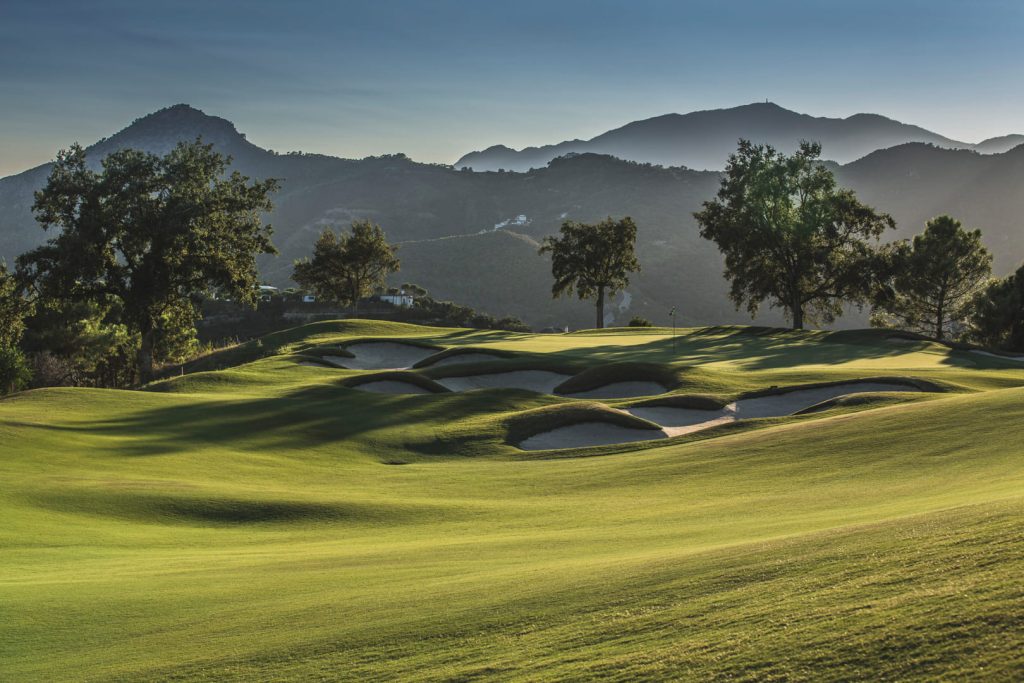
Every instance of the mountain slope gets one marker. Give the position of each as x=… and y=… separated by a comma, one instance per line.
x=704, y=139
x=457, y=227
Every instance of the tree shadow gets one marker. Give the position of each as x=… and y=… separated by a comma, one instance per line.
x=304, y=419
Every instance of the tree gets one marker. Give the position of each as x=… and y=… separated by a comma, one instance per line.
x=592, y=260
x=790, y=236
x=347, y=267
x=150, y=234
x=14, y=307
x=932, y=281
x=997, y=313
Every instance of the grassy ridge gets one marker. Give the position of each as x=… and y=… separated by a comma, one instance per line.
x=264, y=522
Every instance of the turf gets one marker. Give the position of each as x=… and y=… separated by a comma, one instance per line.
x=265, y=522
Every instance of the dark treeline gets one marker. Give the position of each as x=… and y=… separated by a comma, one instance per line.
x=142, y=243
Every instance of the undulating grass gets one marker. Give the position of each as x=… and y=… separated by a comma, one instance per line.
x=264, y=522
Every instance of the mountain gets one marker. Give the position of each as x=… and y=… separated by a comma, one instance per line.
x=704, y=139
x=473, y=237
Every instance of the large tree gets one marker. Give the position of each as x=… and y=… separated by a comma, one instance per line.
x=348, y=266
x=146, y=236
x=592, y=260
x=790, y=236
x=14, y=307
x=933, y=280
x=997, y=315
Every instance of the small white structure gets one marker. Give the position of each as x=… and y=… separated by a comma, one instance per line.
x=267, y=292
x=308, y=299
x=402, y=300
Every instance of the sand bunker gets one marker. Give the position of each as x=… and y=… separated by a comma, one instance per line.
x=621, y=390
x=381, y=356
x=389, y=386
x=588, y=434
x=677, y=421
x=541, y=381
x=1016, y=359
x=461, y=358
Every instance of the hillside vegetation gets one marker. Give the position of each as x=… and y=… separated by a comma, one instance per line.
x=260, y=517
x=486, y=223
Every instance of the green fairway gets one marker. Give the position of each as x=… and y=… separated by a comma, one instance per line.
x=261, y=517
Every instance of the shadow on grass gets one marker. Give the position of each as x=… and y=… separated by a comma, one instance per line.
x=308, y=418
x=757, y=348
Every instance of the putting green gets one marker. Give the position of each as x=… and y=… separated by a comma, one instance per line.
x=266, y=521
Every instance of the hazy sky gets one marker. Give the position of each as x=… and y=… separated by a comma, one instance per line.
x=436, y=79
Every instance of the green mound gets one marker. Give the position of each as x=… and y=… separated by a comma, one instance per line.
x=532, y=422
x=596, y=377
x=400, y=376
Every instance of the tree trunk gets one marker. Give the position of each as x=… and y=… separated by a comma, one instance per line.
x=796, y=311
x=940, y=319
x=600, y=308
x=144, y=358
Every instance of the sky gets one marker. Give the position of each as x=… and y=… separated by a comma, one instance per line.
x=435, y=79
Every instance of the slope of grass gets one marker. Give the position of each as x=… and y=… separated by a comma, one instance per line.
x=264, y=522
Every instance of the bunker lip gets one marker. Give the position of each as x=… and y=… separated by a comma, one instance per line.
x=463, y=355
x=394, y=382
x=586, y=434
x=383, y=354
x=628, y=389
x=677, y=421
x=390, y=386
x=769, y=403
x=540, y=381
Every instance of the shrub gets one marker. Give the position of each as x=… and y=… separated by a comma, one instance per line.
x=14, y=372
x=637, y=321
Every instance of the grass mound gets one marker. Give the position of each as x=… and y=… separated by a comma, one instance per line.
x=532, y=422
x=865, y=400
x=401, y=376
x=463, y=351
x=667, y=377
x=911, y=382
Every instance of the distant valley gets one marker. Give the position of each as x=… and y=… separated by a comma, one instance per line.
x=472, y=236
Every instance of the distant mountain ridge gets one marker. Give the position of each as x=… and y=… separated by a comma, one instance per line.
x=473, y=237
x=704, y=139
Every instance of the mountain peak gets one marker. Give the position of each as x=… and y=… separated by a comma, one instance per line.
x=704, y=139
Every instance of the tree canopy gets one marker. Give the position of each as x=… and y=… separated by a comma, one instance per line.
x=14, y=307
x=933, y=280
x=146, y=236
x=348, y=266
x=997, y=318
x=592, y=260
x=790, y=236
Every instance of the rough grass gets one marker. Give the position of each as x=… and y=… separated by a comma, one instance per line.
x=242, y=524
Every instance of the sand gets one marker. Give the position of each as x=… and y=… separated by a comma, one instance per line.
x=388, y=386
x=588, y=434
x=465, y=358
x=677, y=421
x=621, y=390
x=541, y=381
x=381, y=356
